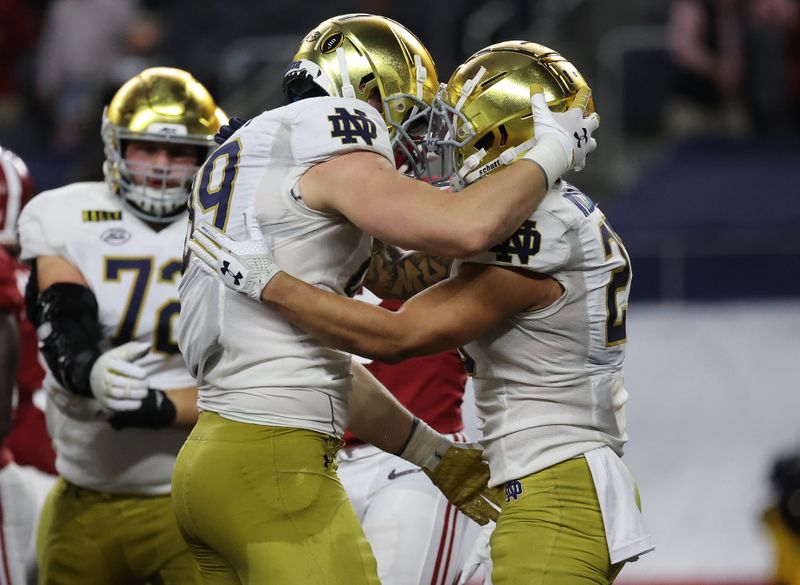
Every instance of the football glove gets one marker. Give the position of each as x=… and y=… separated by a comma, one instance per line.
x=462, y=476
x=116, y=382
x=563, y=139
x=226, y=130
x=457, y=469
x=156, y=411
x=244, y=266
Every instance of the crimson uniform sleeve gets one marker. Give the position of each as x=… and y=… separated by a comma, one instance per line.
x=10, y=296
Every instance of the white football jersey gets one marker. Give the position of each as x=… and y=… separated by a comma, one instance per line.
x=548, y=383
x=251, y=365
x=133, y=272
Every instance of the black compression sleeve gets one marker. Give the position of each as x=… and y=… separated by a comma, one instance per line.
x=68, y=328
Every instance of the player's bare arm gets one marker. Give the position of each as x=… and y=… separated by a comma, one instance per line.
x=185, y=401
x=447, y=315
x=398, y=274
x=53, y=269
x=368, y=190
x=375, y=415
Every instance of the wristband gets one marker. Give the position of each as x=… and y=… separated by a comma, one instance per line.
x=552, y=158
x=424, y=447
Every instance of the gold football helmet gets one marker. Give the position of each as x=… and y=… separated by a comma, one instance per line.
x=163, y=105
x=483, y=116
x=376, y=60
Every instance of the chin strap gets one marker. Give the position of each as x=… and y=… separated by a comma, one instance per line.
x=469, y=173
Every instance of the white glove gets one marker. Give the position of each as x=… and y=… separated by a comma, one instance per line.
x=479, y=557
x=563, y=139
x=117, y=383
x=244, y=266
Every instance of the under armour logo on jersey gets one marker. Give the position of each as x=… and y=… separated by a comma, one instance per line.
x=513, y=490
x=330, y=462
x=523, y=244
x=349, y=126
x=226, y=269
x=582, y=140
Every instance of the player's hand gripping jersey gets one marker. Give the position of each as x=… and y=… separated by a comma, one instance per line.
x=548, y=384
x=250, y=364
x=133, y=272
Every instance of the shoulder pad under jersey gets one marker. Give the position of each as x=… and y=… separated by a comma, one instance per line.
x=53, y=218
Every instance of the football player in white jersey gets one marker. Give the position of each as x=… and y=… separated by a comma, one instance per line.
x=255, y=488
x=541, y=317
x=103, y=295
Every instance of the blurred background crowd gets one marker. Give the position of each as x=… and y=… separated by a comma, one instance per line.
x=700, y=102
x=698, y=169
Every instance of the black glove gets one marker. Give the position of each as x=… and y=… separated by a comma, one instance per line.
x=156, y=412
x=786, y=479
x=227, y=130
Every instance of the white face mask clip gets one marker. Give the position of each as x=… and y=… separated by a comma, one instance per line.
x=347, y=86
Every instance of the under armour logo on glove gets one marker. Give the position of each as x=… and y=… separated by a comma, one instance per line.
x=226, y=269
x=245, y=266
x=582, y=140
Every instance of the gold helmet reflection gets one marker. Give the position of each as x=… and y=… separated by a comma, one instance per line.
x=485, y=109
x=371, y=58
x=163, y=105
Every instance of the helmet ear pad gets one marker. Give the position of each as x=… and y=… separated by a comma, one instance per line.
x=301, y=86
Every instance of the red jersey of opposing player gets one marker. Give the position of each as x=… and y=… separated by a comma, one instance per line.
x=431, y=387
x=28, y=441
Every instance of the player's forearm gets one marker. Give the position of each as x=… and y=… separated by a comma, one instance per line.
x=338, y=321
x=375, y=415
x=397, y=274
x=185, y=401
x=492, y=208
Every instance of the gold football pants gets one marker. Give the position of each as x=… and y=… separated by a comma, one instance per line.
x=550, y=530
x=786, y=544
x=263, y=505
x=97, y=538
